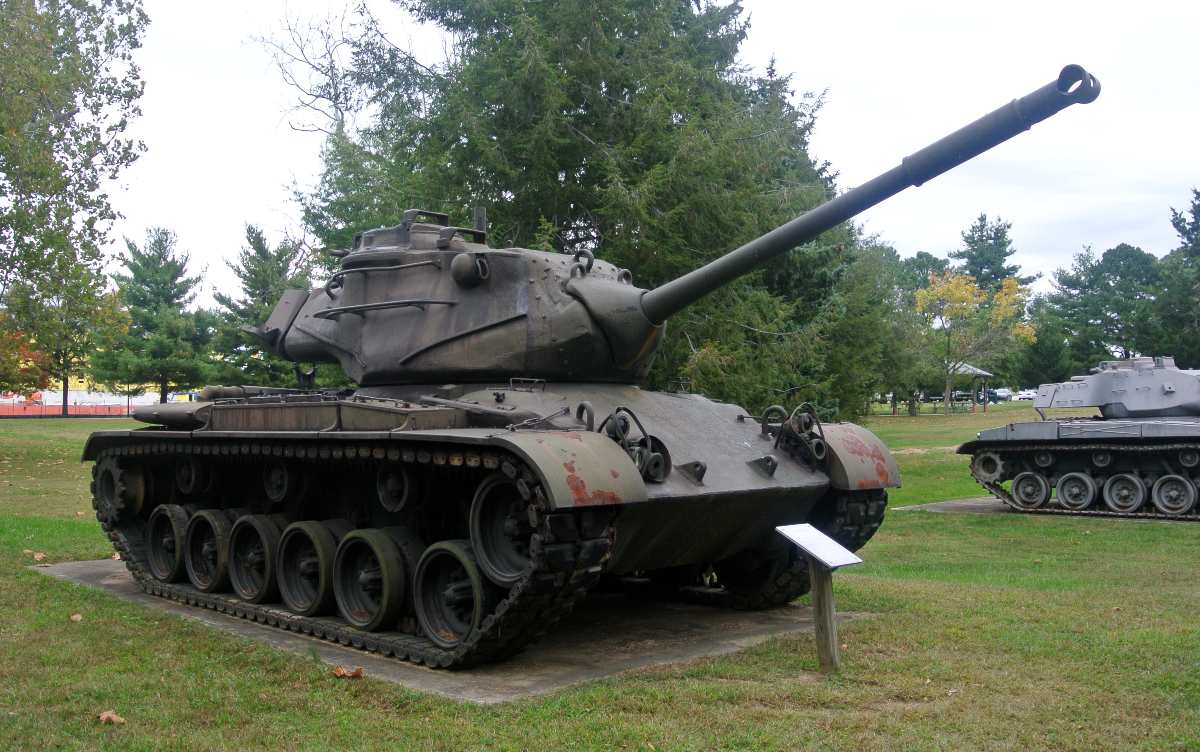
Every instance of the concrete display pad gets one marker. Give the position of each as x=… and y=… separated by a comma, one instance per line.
x=605, y=635
x=979, y=505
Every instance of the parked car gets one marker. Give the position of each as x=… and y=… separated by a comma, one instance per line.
x=1027, y=394
x=1004, y=394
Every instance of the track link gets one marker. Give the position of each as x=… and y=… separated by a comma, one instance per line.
x=565, y=563
x=1097, y=511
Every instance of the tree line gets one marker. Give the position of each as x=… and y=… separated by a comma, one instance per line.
x=625, y=127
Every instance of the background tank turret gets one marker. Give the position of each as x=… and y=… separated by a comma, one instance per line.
x=498, y=457
x=1140, y=457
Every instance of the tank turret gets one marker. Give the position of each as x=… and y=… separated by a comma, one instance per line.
x=425, y=302
x=1146, y=387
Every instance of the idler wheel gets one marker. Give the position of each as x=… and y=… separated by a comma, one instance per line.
x=1030, y=490
x=369, y=579
x=1076, y=491
x=306, y=554
x=988, y=467
x=452, y=598
x=1124, y=492
x=206, y=550
x=1189, y=458
x=500, y=530
x=116, y=489
x=253, y=551
x=166, y=538
x=1173, y=495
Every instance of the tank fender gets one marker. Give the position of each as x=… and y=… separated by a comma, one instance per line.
x=858, y=460
x=578, y=468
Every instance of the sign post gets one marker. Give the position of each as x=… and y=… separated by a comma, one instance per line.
x=825, y=555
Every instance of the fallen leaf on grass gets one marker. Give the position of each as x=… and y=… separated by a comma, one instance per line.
x=343, y=673
x=39, y=556
x=80, y=514
x=110, y=716
x=115, y=557
x=27, y=551
x=77, y=618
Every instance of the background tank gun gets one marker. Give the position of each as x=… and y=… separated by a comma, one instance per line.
x=425, y=302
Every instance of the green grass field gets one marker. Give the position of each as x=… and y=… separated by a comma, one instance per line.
x=991, y=632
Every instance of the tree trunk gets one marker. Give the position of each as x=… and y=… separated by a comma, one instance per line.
x=162, y=392
x=66, y=382
x=946, y=394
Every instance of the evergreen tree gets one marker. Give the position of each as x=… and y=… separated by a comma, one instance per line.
x=166, y=345
x=1047, y=359
x=263, y=273
x=627, y=128
x=985, y=253
x=1177, y=310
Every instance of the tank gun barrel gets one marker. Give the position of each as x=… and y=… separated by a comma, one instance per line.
x=1074, y=85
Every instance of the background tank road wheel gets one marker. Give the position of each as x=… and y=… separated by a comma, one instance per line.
x=1173, y=495
x=206, y=552
x=451, y=596
x=500, y=530
x=1124, y=492
x=1076, y=491
x=774, y=574
x=306, y=555
x=166, y=539
x=1030, y=490
x=369, y=579
x=253, y=552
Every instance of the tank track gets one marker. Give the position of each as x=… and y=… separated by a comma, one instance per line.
x=565, y=564
x=1097, y=511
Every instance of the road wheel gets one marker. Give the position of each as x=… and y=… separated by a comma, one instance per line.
x=1124, y=492
x=1030, y=490
x=452, y=597
x=206, y=551
x=306, y=555
x=166, y=539
x=1076, y=491
x=253, y=552
x=369, y=579
x=1173, y=495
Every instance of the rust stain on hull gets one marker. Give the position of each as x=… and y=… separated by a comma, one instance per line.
x=580, y=493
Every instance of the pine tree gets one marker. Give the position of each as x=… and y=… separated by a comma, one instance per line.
x=166, y=345
x=985, y=252
x=263, y=273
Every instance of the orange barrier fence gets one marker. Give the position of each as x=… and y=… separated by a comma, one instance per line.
x=52, y=411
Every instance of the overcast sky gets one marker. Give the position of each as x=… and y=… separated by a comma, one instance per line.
x=221, y=152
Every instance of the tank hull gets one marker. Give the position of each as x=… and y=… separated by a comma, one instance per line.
x=585, y=508
x=1146, y=468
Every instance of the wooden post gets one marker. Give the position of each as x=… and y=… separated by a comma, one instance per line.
x=823, y=616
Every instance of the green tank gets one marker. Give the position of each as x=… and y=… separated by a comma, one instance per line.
x=498, y=458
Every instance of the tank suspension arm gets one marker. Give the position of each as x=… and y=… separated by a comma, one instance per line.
x=1074, y=85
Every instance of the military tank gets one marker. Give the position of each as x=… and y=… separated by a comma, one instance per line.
x=498, y=457
x=1140, y=457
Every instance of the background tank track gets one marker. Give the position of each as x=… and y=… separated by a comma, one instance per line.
x=1097, y=509
x=564, y=566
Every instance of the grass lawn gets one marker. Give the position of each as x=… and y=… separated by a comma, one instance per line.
x=993, y=632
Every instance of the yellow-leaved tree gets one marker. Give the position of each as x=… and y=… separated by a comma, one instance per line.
x=972, y=324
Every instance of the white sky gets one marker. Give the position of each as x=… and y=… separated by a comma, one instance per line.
x=221, y=152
